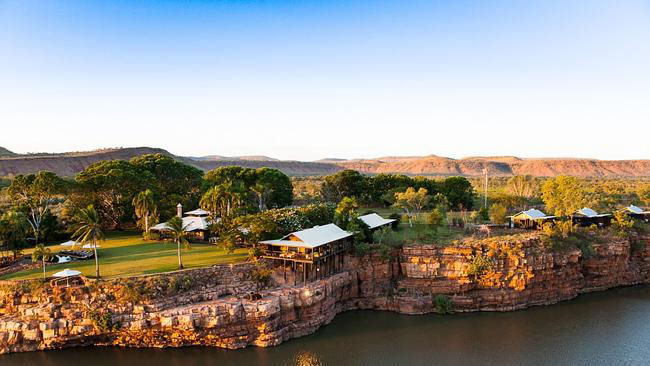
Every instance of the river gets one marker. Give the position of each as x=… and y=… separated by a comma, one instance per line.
x=607, y=328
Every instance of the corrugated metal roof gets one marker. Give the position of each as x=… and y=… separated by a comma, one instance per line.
x=635, y=209
x=534, y=214
x=587, y=212
x=374, y=221
x=198, y=212
x=190, y=223
x=312, y=237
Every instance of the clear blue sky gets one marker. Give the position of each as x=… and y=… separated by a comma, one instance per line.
x=311, y=79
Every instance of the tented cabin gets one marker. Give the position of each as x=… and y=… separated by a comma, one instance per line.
x=375, y=222
x=315, y=252
x=196, y=223
x=530, y=219
x=587, y=217
x=637, y=213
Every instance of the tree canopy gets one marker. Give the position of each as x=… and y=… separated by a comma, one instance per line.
x=563, y=195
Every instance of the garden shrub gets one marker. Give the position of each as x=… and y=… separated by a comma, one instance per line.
x=443, y=304
x=103, y=321
x=151, y=236
x=479, y=265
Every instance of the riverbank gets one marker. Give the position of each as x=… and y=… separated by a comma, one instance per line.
x=576, y=332
x=210, y=307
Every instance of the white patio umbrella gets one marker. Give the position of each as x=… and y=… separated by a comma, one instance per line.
x=67, y=273
x=69, y=243
x=90, y=246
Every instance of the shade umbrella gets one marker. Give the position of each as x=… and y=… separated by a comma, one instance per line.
x=67, y=273
x=69, y=243
x=90, y=246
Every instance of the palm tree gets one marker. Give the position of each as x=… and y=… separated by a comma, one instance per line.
x=262, y=191
x=223, y=199
x=144, y=206
x=42, y=253
x=89, y=231
x=178, y=234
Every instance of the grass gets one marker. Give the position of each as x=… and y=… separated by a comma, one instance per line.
x=126, y=254
x=443, y=237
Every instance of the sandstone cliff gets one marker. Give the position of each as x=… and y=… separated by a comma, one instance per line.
x=213, y=306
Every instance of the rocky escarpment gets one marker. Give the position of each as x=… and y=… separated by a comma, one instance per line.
x=214, y=306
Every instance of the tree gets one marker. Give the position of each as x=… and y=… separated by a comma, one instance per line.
x=644, y=194
x=435, y=219
x=498, y=214
x=36, y=193
x=346, y=211
x=224, y=200
x=459, y=192
x=280, y=193
x=179, y=236
x=172, y=181
x=622, y=224
x=144, y=206
x=110, y=187
x=41, y=253
x=412, y=201
x=563, y=195
x=13, y=231
x=523, y=186
x=347, y=183
x=89, y=231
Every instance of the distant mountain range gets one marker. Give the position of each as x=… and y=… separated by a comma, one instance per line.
x=68, y=164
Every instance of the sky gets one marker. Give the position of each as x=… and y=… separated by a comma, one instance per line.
x=312, y=79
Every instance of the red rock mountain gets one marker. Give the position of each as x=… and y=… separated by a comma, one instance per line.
x=68, y=164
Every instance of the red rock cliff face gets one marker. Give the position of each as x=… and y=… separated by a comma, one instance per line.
x=214, y=311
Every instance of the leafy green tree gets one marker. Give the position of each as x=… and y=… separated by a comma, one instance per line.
x=172, y=181
x=36, y=194
x=435, y=219
x=498, y=214
x=89, y=231
x=43, y=254
x=224, y=200
x=412, y=201
x=459, y=192
x=347, y=183
x=482, y=215
x=563, y=195
x=644, y=194
x=179, y=235
x=382, y=187
x=110, y=187
x=13, y=231
x=145, y=206
x=281, y=192
x=262, y=188
x=346, y=211
x=623, y=224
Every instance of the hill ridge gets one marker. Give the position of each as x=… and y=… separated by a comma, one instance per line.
x=68, y=164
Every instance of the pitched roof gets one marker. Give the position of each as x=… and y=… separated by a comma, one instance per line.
x=587, y=212
x=198, y=212
x=190, y=223
x=374, y=221
x=312, y=237
x=534, y=214
x=635, y=210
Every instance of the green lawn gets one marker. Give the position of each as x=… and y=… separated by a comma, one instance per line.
x=126, y=254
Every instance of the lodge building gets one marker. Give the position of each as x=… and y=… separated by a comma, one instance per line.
x=313, y=253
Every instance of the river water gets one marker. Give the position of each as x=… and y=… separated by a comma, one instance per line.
x=607, y=328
